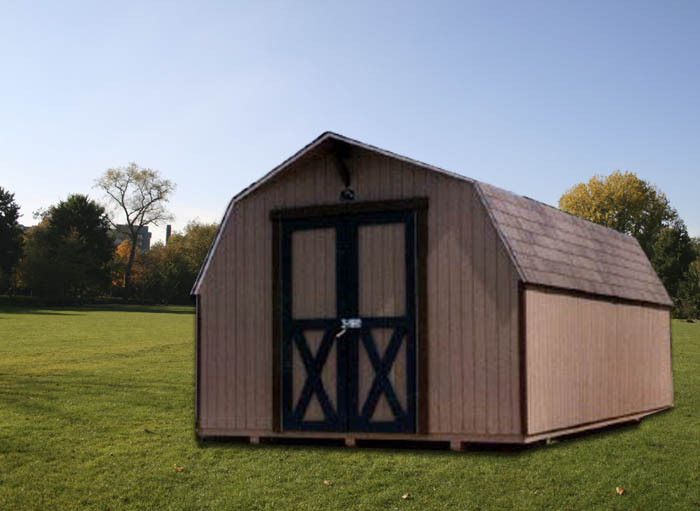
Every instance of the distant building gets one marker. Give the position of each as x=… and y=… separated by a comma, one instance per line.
x=168, y=232
x=143, y=241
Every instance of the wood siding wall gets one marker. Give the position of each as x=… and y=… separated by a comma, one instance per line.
x=472, y=309
x=589, y=360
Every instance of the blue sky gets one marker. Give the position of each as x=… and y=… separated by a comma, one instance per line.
x=530, y=96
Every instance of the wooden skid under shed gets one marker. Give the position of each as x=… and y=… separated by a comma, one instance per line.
x=454, y=442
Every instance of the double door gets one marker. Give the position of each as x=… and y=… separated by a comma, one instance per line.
x=348, y=325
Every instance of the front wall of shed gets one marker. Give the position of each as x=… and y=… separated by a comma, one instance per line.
x=472, y=315
x=591, y=360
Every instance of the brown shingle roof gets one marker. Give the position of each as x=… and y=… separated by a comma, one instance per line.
x=554, y=248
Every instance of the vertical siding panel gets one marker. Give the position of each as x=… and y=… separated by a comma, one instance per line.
x=267, y=411
x=467, y=316
x=263, y=326
x=240, y=321
x=491, y=336
x=443, y=305
x=479, y=318
x=373, y=177
x=442, y=297
x=229, y=353
x=433, y=300
x=456, y=339
x=207, y=376
x=204, y=371
x=250, y=335
x=213, y=332
x=219, y=363
x=253, y=338
x=503, y=340
x=515, y=365
x=389, y=185
x=330, y=188
x=408, y=174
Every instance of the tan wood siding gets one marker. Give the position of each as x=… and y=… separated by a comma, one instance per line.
x=591, y=360
x=472, y=340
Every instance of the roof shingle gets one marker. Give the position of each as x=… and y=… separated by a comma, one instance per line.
x=555, y=248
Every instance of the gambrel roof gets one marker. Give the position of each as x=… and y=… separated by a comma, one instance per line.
x=557, y=249
x=549, y=247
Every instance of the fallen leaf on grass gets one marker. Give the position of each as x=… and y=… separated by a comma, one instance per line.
x=179, y=469
x=328, y=483
x=406, y=496
x=620, y=491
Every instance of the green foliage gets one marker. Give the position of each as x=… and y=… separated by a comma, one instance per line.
x=166, y=273
x=631, y=205
x=623, y=202
x=11, y=237
x=97, y=406
x=194, y=244
x=671, y=255
x=689, y=292
x=67, y=255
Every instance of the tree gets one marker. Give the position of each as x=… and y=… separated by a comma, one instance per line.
x=11, y=236
x=624, y=202
x=671, y=255
x=121, y=257
x=68, y=254
x=631, y=205
x=166, y=273
x=688, y=302
x=689, y=292
x=140, y=194
x=195, y=242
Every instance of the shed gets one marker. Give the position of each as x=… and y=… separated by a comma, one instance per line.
x=356, y=294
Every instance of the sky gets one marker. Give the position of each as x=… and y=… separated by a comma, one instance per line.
x=530, y=96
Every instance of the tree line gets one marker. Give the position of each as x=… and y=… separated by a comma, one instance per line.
x=70, y=256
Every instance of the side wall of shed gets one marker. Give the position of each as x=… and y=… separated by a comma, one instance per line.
x=589, y=360
x=472, y=300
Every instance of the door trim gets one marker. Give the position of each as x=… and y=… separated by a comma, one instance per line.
x=417, y=205
x=345, y=208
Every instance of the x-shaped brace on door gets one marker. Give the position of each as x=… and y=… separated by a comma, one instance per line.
x=314, y=368
x=382, y=366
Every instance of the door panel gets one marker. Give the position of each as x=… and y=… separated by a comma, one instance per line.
x=381, y=272
x=341, y=375
x=313, y=274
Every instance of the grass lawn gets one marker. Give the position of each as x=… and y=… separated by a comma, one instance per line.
x=96, y=406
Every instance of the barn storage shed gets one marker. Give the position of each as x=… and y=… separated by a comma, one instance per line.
x=357, y=294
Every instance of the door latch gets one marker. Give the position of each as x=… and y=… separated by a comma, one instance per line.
x=348, y=324
x=351, y=323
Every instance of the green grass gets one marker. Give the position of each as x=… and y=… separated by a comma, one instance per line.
x=96, y=406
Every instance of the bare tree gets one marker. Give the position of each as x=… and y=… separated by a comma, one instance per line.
x=140, y=195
